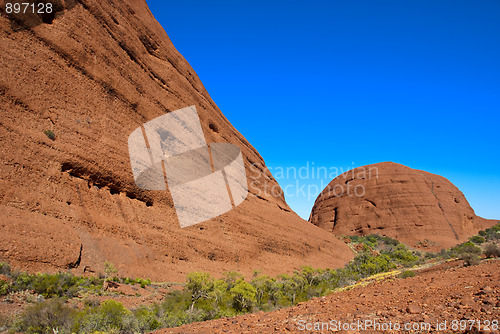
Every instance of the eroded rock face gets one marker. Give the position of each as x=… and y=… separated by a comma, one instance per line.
x=416, y=207
x=92, y=74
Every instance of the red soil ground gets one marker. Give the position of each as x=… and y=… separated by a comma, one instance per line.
x=443, y=293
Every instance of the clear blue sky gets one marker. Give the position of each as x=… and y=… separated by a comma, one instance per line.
x=349, y=83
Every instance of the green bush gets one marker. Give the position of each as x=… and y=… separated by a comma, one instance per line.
x=147, y=319
x=491, y=234
x=407, y=273
x=477, y=239
x=365, y=265
x=470, y=259
x=53, y=285
x=402, y=255
x=430, y=255
x=491, y=250
x=467, y=247
x=91, y=302
x=205, y=297
x=143, y=282
x=45, y=316
x=109, y=316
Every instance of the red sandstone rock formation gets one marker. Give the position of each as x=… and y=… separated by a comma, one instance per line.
x=92, y=73
x=416, y=207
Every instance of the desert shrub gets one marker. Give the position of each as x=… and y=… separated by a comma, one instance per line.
x=109, y=272
x=375, y=242
x=364, y=265
x=311, y=275
x=390, y=241
x=110, y=316
x=407, y=273
x=402, y=255
x=50, y=134
x=292, y=287
x=232, y=278
x=4, y=287
x=491, y=234
x=58, y=285
x=4, y=269
x=147, y=319
x=430, y=255
x=176, y=311
x=143, y=282
x=276, y=293
x=53, y=285
x=91, y=302
x=460, y=250
x=128, y=280
x=477, y=239
x=45, y=316
x=467, y=247
x=177, y=300
x=470, y=259
x=491, y=250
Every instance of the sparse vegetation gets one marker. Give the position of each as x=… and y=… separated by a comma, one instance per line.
x=46, y=285
x=205, y=297
x=491, y=234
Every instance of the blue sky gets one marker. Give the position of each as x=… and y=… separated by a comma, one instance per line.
x=349, y=83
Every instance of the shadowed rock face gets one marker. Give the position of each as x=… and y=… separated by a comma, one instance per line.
x=418, y=208
x=92, y=74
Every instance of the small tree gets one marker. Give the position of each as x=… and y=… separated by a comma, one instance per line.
x=219, y=290
x=200, y=285
x=232, y=278
x=243, y=294
x=310, y=274
x=263, y=285
x=292, y=285
x=275, y=291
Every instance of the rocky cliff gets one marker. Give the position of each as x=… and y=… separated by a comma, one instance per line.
x=418, y=208
x=74, y=84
